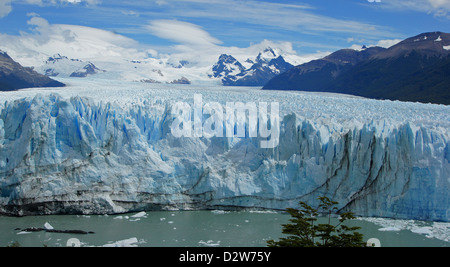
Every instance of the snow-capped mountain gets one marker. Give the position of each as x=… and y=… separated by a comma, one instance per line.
x=144, y=70
x=61, y=66
x=122, y=58
x=227, y=69
x=117, y=57
x=254, y=71
x=89, y=69
x=264, y=67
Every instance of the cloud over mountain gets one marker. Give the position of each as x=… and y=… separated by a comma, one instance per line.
x=70, y=40
x=182, y=32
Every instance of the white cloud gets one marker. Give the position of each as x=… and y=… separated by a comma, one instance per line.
x=380, y=43
x=34, y=2
x=161, y=2
x=113, y=52
x=208, y=55
x=388, y=43
x=33, y=14
x=79, y=42
x=182, y=32
x=5, y=8
x=198, y=47
x=440, y=8
x=90, y=2
x=90, y=44
x=131, y=13
x=264, y=15
x=39, y=22
x=444, y=4
x=60, y=2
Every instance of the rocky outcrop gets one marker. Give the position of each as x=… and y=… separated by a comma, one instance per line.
x=13, y=76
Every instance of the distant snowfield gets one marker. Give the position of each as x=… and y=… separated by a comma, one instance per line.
x=327, y=109
x=107, y=144
x=328, y=112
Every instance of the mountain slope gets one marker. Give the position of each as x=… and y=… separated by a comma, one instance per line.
x=13, y=76
x=318, y=74
x=415, y=69
x=414, y=77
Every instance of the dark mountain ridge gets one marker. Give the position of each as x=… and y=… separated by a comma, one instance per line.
x=13, y=76
x=319, y=74
x=416, y=69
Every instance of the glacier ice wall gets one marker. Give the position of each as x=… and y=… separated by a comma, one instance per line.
x=75, y=155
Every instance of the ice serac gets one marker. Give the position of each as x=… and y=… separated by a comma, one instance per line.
x=66, y=156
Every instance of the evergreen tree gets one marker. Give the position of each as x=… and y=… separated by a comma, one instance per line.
x=303, y=231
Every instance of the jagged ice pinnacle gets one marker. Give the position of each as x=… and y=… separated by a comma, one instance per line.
x=112, y=152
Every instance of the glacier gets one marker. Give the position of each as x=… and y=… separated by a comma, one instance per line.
x=98, y=147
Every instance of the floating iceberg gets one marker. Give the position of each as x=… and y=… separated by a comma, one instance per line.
x=130, y=242
x=110, y=150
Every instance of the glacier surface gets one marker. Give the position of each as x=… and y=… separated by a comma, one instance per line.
x=97, y=147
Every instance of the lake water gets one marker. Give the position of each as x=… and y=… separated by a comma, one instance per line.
x=202, y=229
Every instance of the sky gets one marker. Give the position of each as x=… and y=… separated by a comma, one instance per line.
x=159, y=27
